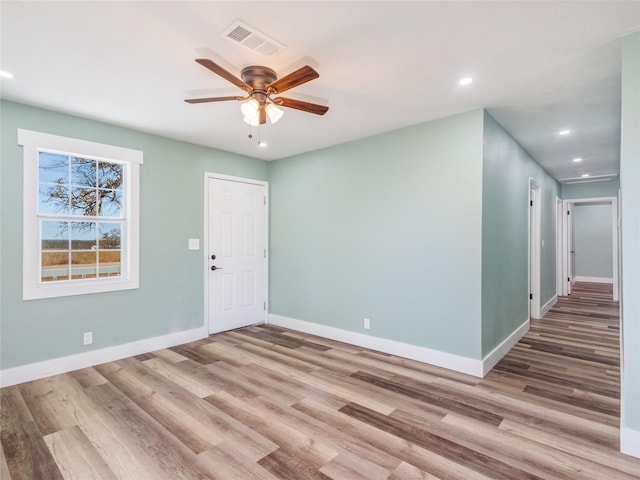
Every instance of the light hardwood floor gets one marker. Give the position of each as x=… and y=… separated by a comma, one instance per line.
x=268, y=403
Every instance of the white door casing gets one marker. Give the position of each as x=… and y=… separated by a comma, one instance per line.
x=572, y=249
x=534, y=249
x=236, y=235
x=559, y=229
x=568, y=241
x=567, y=247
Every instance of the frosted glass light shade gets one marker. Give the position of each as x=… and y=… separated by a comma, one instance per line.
x=253, y=121
x=250, y=108
x=273, y=112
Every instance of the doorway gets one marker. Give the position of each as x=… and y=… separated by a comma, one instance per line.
x=559, y=219
x=534, y=249
x=570, y=252
x=235, y=231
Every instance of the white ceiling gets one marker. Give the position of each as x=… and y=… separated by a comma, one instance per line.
x=538, y=67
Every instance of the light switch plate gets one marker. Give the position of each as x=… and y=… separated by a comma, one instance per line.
x=194, y=244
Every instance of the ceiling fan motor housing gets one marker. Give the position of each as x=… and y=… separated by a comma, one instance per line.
x=258, y=77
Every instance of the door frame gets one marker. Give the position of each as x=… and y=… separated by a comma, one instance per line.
x=534, y=248
x=205, y=257
x=566, y=204
x=559, y=230
x=567, y=245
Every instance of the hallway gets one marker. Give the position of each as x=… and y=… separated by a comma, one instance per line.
x=570, y=362
x=572, y=355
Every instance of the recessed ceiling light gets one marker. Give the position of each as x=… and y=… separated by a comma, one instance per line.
x=465, y=81
x=584, y=175
x=4, y=74
x=262, y=144
x=564, y=132
x=577, y=159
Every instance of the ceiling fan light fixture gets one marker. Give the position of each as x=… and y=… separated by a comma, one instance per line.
x=259, y=83
x=274, y=113
x=250, y=108
x=254, y=120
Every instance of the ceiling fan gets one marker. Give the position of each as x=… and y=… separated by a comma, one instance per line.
x=260, y=83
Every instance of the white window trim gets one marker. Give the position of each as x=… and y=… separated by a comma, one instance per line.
x=32, y=287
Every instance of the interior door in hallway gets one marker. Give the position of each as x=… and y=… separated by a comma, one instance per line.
x=571, y=259
x=534, y=249
x=236, y=253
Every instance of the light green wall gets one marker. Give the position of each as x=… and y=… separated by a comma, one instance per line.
x=422, y=230
x=630, y=210
x=170, y=297
x=590, y=190
x=593, y=240
x=387, y=228
x=507, y=168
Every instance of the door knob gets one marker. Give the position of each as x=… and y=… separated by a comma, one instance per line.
x=214, y=268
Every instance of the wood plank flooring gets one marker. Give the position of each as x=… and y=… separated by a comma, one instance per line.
x=268, y=403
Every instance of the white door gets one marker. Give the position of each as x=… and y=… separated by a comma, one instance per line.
x=236, y=253
x=572, y=248
x=534, y=250
x=559, y=256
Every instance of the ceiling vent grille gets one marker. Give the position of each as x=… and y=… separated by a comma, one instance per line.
x=589, y=179
x=240, y=33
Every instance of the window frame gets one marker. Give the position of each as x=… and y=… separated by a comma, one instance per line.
x=32, y=285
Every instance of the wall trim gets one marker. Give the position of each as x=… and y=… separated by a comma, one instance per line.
x=630, y=442
x=34, y=371
x=593, y=279
x=501, y=350
x=548, y=306
x=458, y=363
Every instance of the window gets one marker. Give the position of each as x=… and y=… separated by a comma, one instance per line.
x=81, y=209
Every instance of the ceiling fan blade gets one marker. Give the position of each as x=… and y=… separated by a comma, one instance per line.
x=218, y=70
x=300, y=76
x=212, y=99
x=300, y=105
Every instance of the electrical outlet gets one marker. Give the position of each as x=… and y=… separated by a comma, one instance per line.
x=88, y=338
x=367, y=324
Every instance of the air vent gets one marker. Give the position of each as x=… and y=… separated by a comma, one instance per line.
x=592, y=178
x=240, y=33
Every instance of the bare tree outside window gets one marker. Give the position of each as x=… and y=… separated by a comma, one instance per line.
x=80, y=186
x=85, y=195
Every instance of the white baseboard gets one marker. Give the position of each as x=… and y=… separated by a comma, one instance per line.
x=630, y=442
x=501, y=350
x=548, y=306
x=458, y=363
x=34, y=371
x=593, y=279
